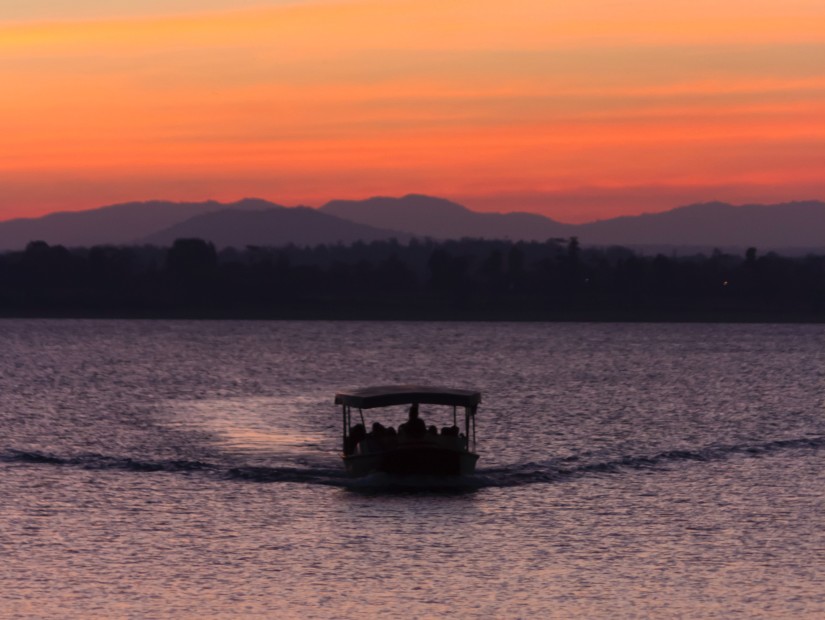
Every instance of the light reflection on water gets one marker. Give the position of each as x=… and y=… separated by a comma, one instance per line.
x=182, y=469
x=252, y=425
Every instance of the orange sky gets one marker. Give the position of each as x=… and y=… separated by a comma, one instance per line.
x=579, y=111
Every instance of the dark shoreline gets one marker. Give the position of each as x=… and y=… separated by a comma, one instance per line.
x=467, y=280
x=434, y=316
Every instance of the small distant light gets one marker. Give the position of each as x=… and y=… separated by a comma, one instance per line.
x=725, y=283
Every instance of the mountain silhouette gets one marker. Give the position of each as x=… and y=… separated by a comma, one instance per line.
x=278, y=226
x=700, y=226
x=118, y=224
x=426, y=216
x=787, y=225
x=793, y=226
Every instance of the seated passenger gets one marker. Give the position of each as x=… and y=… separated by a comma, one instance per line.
x=356, y=434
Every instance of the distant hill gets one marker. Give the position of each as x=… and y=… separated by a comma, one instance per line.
x=118, y=224
x=791, y=227
x=704, y=226
x=787, y=225
x=426, y=216
x=273, y=227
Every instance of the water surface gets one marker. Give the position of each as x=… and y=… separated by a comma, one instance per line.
x=190, y=469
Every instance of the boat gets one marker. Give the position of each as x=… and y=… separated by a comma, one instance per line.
x=414, y=449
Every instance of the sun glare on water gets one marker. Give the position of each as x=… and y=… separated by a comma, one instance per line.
x=253, y=425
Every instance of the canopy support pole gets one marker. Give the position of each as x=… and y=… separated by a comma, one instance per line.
x=345, y=426
x=467, y=426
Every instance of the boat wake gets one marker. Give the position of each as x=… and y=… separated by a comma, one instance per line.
x=550, y=471
x=576, y=466
x=103, y=462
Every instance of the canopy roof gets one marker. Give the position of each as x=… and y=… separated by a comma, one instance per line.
x=388, y=395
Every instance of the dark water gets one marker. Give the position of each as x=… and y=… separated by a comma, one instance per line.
x=190, y=469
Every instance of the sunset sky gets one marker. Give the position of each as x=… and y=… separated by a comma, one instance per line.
x=577, y=110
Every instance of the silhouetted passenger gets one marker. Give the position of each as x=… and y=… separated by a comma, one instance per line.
x=414, y=426
x=356, y=434
x=389, y=439
x=432, y=430
x=449, y=437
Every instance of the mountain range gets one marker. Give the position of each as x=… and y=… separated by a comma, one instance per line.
x=792, y=226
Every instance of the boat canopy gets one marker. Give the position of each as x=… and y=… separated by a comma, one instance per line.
x=388, y=395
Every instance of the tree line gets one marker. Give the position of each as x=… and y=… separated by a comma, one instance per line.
x=470, y=279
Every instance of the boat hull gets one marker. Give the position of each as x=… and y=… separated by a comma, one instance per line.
x=413, y=460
